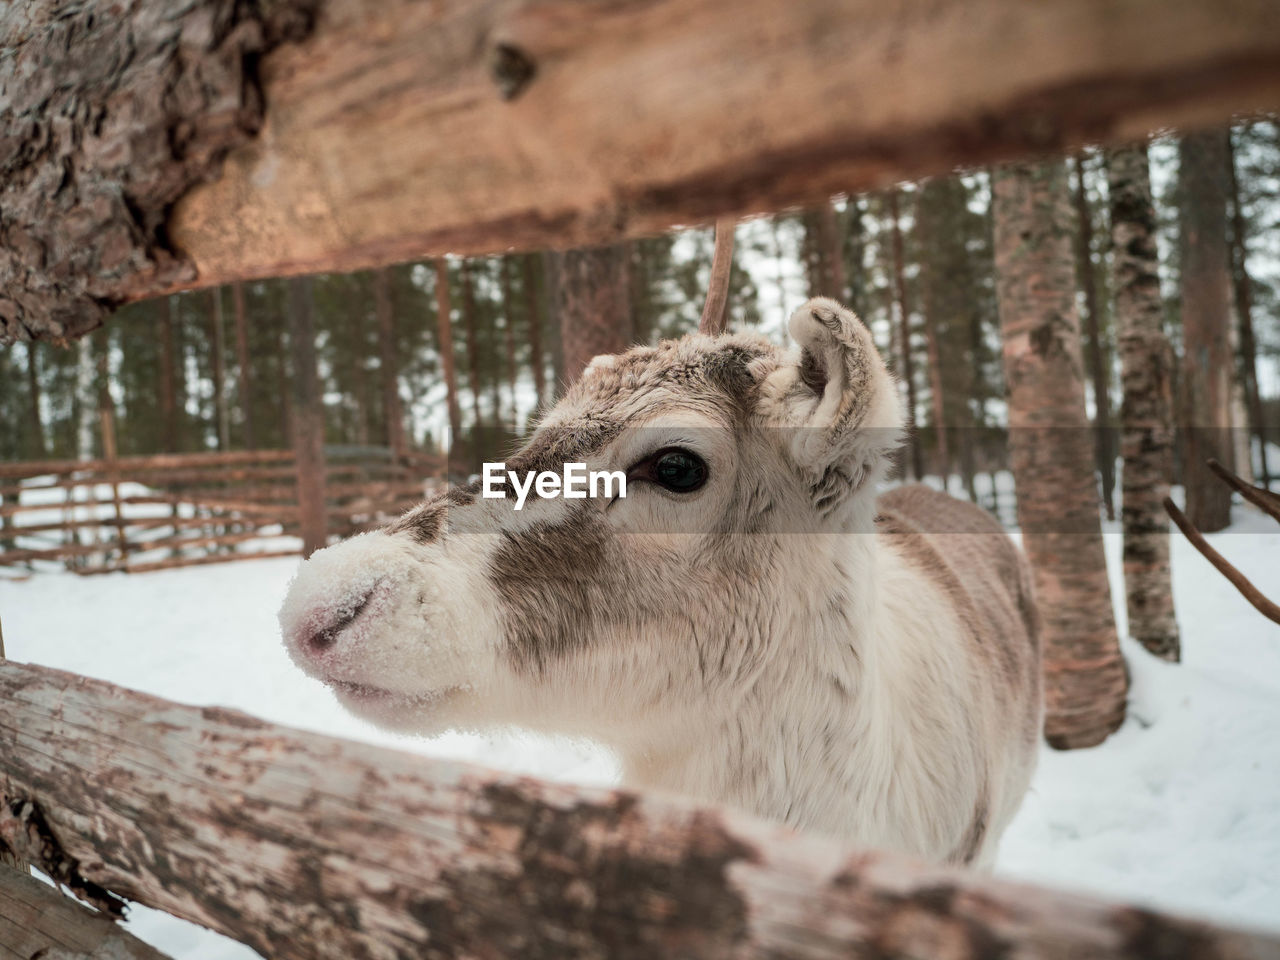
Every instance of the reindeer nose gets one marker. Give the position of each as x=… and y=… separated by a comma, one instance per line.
x=317, y=641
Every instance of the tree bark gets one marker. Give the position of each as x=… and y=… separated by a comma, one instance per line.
x=244, y=364
x=305, y=846
x=392, y=410
x=308, y=417
x=533, y=310
x=595, y=311
x=38, y=444
x=1085, y=677
x=36, y=921
x=219, y=349
x=904, y=333
x=444, y=331
x=1206, y=325
x=1243, y=285
x=1146, y=409
x=1098, y=375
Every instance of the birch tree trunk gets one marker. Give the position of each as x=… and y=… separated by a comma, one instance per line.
x=595, y=310
x=1097, y=368
x=1243, y=285
x=219, y=349
x=1052, y=454
x=1146, y=408
x=1206, y=357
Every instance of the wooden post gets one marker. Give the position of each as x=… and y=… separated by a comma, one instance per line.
x=108, y=422
x=308, y=417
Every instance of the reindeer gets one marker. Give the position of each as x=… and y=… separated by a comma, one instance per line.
x=749, y=625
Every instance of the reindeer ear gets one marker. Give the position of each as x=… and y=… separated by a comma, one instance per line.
x=843, y=401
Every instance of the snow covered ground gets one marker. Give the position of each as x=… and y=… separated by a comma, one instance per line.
x=1179, y=809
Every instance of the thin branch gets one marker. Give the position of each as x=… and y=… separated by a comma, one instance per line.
x=1238, y=580
x=1263, y=499
x=715, y=312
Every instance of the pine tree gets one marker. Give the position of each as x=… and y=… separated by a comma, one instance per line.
x=1206, y=358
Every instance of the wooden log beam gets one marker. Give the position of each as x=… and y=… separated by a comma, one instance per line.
x=402, y=129
x=38, y=921
x=302, y=845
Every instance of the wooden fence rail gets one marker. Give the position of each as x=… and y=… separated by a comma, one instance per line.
x=535, y=124
x=306, y=846
x=212, y=501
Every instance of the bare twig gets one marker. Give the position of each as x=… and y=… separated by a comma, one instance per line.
x=715, y=312
x=1260, y=497
x=1238, y=580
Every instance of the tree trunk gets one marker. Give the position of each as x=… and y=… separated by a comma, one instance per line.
x=168, y=377
x=509, y=339
x=38, y=446
x=473, y=350
x=1146, y=409
x=1243, y=285
x=533, y=310
x=595, y=313
x=1093, y=340
x=308, y=419
x=1049, y=438
x=824, y=253
x=1206, y=361
x=904, y=334
x=444, y=332
x=286, y=401
x=307, y=847
x=392, y=410
x=219, y=349
x=243, y=362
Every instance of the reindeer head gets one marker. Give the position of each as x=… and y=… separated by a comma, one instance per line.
x=597, y=615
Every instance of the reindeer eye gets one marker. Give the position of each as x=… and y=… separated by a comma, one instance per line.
x=679, y=471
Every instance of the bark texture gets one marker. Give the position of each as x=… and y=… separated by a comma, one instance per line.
x=1052, y=453
x=595, y=309
x=1146, y=407
x=1206, y=326
x=537, y=124
x=36, y=921
x=112, y=110
x=305, y=846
